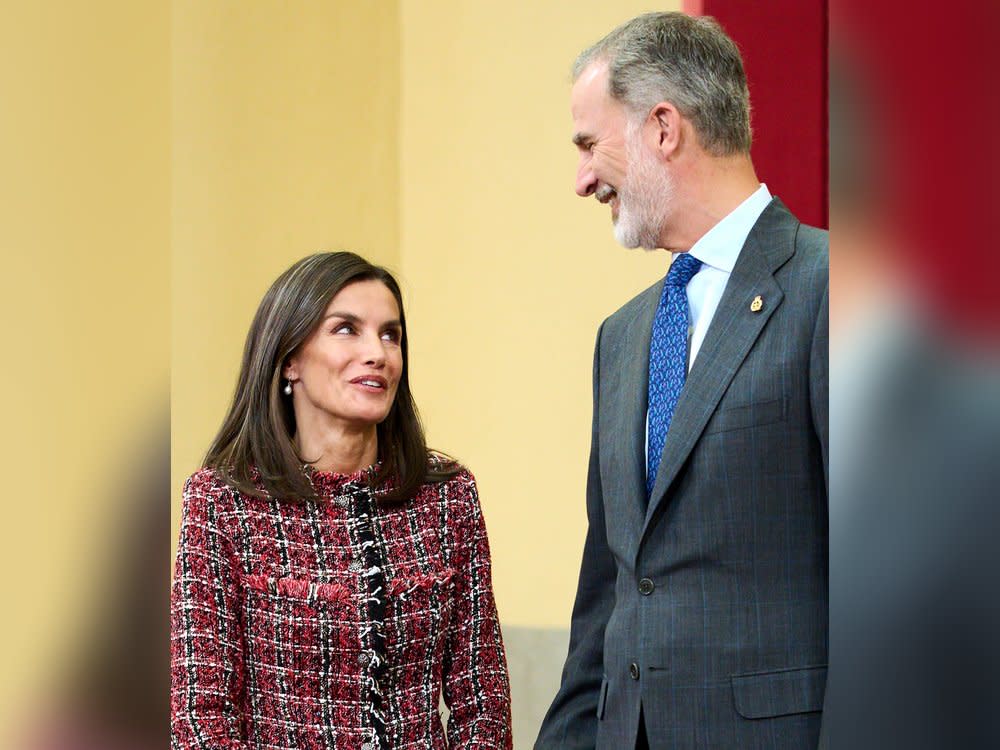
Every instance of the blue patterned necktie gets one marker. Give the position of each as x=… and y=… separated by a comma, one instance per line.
x=667, y=358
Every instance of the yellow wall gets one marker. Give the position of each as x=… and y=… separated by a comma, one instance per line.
x=188, y=152
x=509, y=274
x=433, y=137
x=84, y=231
x=284, y=143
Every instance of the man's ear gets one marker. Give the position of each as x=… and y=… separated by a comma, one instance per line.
x=665, y=123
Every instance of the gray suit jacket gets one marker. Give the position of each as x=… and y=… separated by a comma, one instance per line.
x=708, y=605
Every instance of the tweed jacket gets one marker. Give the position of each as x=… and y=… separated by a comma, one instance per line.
x=335, y=623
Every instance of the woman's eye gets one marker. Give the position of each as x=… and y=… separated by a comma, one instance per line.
x=344, y=328
x=392, y=336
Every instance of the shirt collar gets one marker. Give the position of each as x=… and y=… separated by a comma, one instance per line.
x=720, y=246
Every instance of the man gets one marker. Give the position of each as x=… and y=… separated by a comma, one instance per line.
x=701, y=614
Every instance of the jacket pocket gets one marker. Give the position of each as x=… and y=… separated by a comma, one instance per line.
x=763, y=695
x=756, y=414
x=291, y=625
x=419, y=609
x=602, y=699
x=300, y=589
x=436, y=581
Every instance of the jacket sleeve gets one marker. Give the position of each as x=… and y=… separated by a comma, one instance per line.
x=819, y=396
x=476, y=687
x=819, y=381
x=571, y=721
x=206, y=657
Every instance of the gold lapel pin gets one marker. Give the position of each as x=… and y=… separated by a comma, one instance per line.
x=757, y=305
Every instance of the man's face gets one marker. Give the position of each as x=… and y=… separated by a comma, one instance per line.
x=615, y=166
x=599, y=135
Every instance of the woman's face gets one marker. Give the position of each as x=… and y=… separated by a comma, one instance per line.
x=349, y=367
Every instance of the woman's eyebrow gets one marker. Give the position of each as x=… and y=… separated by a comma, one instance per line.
x=350, y=317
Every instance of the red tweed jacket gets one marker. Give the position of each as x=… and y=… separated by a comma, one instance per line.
x=335, y=624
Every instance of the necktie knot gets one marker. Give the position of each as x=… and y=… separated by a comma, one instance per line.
x=683, y=267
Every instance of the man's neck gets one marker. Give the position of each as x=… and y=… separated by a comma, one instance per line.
x=713, y=188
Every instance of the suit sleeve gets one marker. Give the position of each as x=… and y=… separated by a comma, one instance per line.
x=206, y=657
x=819, y=395
x=571, y=721
x=476, y=687
x=819, y=381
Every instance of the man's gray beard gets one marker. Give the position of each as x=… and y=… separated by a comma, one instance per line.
x=644, y=198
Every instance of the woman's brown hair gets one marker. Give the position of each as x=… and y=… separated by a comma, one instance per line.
x=257, y=435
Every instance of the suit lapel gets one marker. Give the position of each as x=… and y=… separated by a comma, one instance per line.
x=733, y=330
x=624, y=414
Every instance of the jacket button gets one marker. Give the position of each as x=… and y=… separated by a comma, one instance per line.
x=646, y=587
x=633, y=671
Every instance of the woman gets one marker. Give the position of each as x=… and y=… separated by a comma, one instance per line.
x=332, y=576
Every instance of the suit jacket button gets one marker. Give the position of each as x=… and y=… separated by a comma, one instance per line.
x=633, y=671
x=646, y=587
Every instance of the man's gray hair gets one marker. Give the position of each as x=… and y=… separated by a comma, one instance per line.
x=687, y=61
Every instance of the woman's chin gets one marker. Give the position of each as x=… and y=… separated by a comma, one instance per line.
x=368, y=418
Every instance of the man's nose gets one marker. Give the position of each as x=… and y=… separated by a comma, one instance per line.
x=586, y=181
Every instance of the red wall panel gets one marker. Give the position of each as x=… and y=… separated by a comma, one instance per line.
x=784, y=47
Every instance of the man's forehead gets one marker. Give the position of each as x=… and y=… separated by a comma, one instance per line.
x=590, y=88
x=595, y=71
x=591, y=105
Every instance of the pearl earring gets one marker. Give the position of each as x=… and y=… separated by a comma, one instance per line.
x=288, y=388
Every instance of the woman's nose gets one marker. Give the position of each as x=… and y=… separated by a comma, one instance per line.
x=374, y=352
